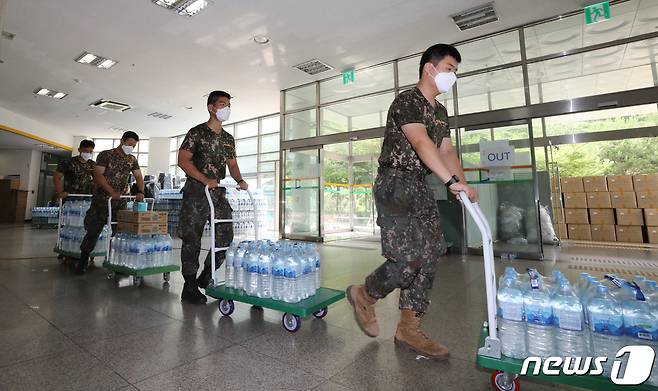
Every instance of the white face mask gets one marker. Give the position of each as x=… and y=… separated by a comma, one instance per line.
x=85, y=156
x=223, y=114
x=444, y=81
x=127, y=149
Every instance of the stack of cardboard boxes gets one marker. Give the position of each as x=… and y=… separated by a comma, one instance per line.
x=142, y=223
x=608, y=209
x=13, y=201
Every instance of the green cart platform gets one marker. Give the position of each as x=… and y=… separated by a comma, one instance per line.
x=139, y=274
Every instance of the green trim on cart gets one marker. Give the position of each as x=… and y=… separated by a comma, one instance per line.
x=323, y=298
x=77, y=255
x=141, y=272
x=511, y=365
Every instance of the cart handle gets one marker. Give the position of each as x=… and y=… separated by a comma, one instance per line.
x=492, y=343
x=109, y=218
x=213, y=221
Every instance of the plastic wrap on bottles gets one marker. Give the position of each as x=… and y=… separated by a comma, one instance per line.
x=510, y=222
x=547, y=231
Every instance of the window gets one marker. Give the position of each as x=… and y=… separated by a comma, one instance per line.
x=366, y=81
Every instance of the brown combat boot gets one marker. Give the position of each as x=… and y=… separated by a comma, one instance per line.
x=364, y=309
x=408, y=334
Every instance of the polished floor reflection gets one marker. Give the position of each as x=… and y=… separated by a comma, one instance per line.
x=63, y=332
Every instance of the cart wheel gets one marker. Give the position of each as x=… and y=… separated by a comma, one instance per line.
x=321, y=314
x=110, y=275
x=226, y=307
x=91, y=261
x=291, y=322
x=138, y=281
x=166, y=276
x=504, y=381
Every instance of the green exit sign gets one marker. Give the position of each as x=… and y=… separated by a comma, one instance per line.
x=596, y=13
x=348, y=77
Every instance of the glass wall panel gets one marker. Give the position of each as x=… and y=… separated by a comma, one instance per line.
x=408, y=71
x=247, y=129
x=491, y=91
x=269, y=143
x=270, y=125
x=300, y=98
x=489, y=52
x=602, y=120
x=248, y=164
x=246, y=146
x=300, y=125
x=366, y=81
x=302, y=193
x=268, y=186
x=269, y=157
x=357, y=114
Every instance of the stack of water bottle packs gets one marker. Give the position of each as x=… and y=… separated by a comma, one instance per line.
x=283, y=271
x=141, y=251
x=73, y=231
x=45, y=215
x=245, y=210
x=548, y=316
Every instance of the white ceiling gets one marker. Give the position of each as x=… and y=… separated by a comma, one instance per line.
x=168, y=62
x=14, y=141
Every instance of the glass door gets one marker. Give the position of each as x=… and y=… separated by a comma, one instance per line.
x=301, y=194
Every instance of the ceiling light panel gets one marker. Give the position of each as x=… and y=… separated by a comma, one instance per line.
x=475, y=17
x=313, y=67
x=50, y=93
x=183, y=7
x=96, y=61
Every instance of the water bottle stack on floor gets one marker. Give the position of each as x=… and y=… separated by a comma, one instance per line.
x=548, y=316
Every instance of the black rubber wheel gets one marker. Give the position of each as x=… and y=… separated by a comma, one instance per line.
x=138, y=281
x=110, y=275
x=499, y=382
x=166, y=276
x=321, y=314
x=226, y=307
x=292, y=323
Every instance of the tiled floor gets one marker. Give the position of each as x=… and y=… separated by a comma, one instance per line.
x=63, y=332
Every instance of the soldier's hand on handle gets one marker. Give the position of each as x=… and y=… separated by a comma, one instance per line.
x=139, y=197
x=212, y=184
x=62, y=195
x=455, y=188
x=242, y=185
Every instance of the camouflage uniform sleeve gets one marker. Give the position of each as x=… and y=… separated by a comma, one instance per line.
x=190, y=141
x=229, y=146
x=443, y=116
x=64, y=166
x=103, y=159
x=135, y=164
x=408, y=110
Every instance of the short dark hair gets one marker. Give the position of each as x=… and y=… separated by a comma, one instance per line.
x=87, y=144
x=213, y=96
x=435, y=53
x=130, y=134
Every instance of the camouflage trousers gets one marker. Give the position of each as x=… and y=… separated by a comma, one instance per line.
x=194, y=214
x=412, y=240
x=96, y=219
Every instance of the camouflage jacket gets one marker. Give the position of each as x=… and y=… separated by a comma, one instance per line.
x=78, y=175
x=411, y=107
x=210, y=150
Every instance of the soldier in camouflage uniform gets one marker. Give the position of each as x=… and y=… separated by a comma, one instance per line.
x=204, y=154
x=416, y=143
x=78, y=172
x=113, y=169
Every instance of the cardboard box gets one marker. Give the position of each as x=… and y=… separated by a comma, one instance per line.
x=653, y=234
x=561, y=230
x=647, y=199
x=602, y=216
x=604, y=233
x=128, y=216
x=629, y=234
x=600, y=200
x=142, y=228
x=645, y=182
x=651, y=217
x=575, y=200
x=619, y=183
x=14, y=203
x=623, y=200
x=162, y=217
x=558, y=217
x=9, y=184
x=580, y=232
x=593, y=184
x=630, y=217
x=572, y=185
x=576, y=216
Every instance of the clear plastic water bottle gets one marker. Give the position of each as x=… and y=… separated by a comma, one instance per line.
x=291, y=290
x=511, y=319
x=318, y=274
x=168, y=250
x=641, y=325
x=606, y=325
x=279, y=275
x=539, y=319
x=251, y=283
x=568, y=316
x=265, y=272
x=240, y=265
x=229, y=277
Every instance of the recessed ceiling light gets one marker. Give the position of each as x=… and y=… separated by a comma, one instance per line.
x=59, y=95
x=43, y=91
x=183, y=7
x=49, y=93
x=261, y=39
x=95, y=60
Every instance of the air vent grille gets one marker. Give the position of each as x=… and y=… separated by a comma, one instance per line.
x=111, y=105
x=313, y=67
x=155, y=114
x=475, y=17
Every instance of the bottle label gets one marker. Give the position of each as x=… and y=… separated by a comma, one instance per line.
x=264, y=271
x=511, y=311
x=569, y=320
x=606, y=324
x=539, y=315
x=614, y=280
x=534, y=283
x=253, y=269
x=278, y=272
x=291, y=274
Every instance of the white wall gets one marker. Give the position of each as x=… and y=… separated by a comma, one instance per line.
x=158, y=155
x=27, y=164
x=48, y=132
